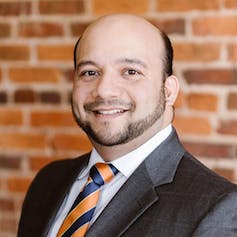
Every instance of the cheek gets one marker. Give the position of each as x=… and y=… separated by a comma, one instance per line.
x=77, y=99
x=79, y=93
x=146, y=99
x=75, y=96
x=147, y=93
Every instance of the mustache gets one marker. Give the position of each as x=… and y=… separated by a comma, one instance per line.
x=112, y=102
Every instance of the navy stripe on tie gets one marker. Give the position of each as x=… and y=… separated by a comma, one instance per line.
x=114, y=170
x=96, y=176
x=89, y=189
x=79, y=222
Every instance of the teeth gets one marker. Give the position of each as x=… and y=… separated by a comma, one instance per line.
x=109, y=112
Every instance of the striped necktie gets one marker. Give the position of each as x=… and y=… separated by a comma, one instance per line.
x=77, y=221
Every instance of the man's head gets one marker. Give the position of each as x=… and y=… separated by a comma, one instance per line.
x=124, y=89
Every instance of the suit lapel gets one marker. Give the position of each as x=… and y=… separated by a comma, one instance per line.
x=139, y=192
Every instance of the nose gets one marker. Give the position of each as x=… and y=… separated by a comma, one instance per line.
x=107, y=87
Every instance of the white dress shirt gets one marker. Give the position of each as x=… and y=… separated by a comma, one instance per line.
x=126, y=166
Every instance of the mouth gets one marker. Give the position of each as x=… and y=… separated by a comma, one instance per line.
x=108, y=109
x=109, y=112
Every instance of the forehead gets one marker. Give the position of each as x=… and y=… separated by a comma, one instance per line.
x=124, y=38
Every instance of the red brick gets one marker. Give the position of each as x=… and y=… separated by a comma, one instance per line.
x=3, y=97
x=203, y=52
x=61, y=7
x=180, y=101
x=186, y=5
x=211, y=76
x=185, y=125
x=230, y=3
x=38, y=162
x=78, y=142
x=69, y=97
x=209, y=150
x=10, y=162
x=55, y=52
x=232, y=52
x=15, y=8
x=221, y=25
x=69, y=75
x=6, y=204
x=5, y=30
x=18, y=184
x=102, y=7
x=201, y=101
x=170, y=26
x=14, y=52
x=78, y=28
x=34, y=74
x=50, y=97
x=22, y=141
x=8, y=224
x=10, y=116
x=228, y=127
x=19, y=201
x=1, y=184
x=25, y=96
x=52, y=119
x=232, y=101
x=40, y=29
x=227, y=173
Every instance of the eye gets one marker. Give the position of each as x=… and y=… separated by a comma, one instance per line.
x=88, y=73
x=131, y=72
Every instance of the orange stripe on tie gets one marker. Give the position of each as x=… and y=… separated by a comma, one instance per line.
x=86, y=204
x=105, y=171
x=81, y=231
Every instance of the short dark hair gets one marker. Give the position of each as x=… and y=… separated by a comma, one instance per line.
x=168, y=55
x=167, y=59
x=75, y=53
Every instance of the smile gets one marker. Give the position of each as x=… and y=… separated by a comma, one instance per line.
x=109, y=112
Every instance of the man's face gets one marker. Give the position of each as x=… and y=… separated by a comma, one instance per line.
x=118, y=93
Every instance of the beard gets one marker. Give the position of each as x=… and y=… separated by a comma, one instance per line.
x=129, y=131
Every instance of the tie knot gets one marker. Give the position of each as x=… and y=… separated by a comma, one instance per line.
x=102, y=173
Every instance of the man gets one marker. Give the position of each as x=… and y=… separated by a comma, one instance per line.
x=123, y=98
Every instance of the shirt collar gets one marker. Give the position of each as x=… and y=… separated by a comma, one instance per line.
x=129, y=162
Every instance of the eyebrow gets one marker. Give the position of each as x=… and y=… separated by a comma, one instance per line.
x=85, y=63
x=132, y=61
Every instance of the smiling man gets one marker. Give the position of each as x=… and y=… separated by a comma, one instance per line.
x=138, y=180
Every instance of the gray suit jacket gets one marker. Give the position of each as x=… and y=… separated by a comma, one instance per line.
x=170, y=194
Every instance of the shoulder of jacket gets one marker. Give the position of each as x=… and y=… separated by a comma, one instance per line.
x=199, y=177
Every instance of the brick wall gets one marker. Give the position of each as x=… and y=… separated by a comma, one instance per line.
x=36, y=45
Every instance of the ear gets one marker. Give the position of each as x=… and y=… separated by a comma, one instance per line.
x=171, y=89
